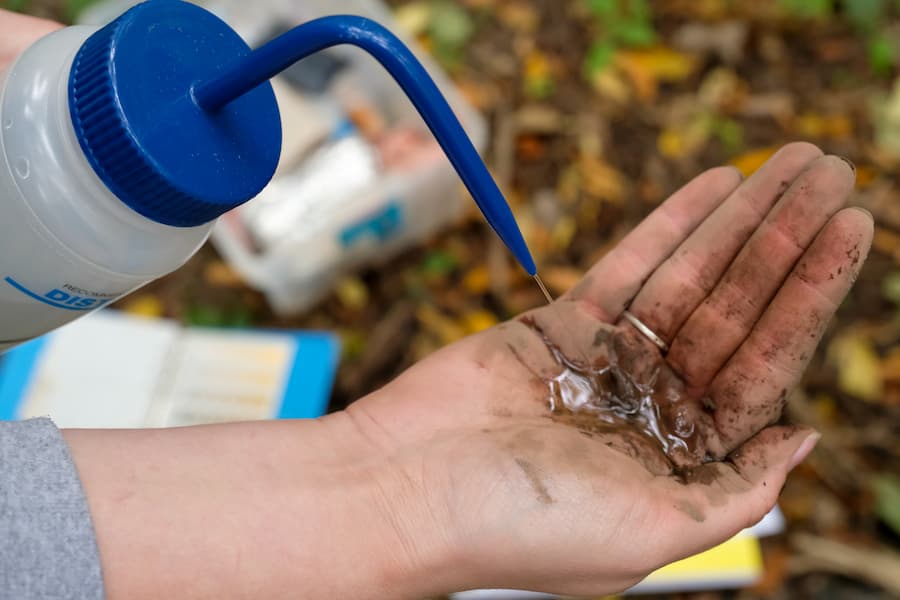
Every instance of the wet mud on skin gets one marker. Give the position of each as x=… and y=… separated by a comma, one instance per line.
x=643, y=412
x=536, y=481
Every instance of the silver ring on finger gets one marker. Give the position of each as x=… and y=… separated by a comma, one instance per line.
x=646, y=331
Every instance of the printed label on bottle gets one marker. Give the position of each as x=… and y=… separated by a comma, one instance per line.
x=44, y=298
x=65, y=296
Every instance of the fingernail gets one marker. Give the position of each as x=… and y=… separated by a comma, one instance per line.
x=803, y=451
x=864, y=211
x=848, y=161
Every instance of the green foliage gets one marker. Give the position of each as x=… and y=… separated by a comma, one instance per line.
x=439, y=263
x=882, y=52
x=450, y=28
x=599, y=56
x=890, y=287
x=868, y=17
x=887, y=500
x=207, y=315
x=15, y=5
x=539, y=88
x=70, y=8
x=620, y=24
x=808, y=9
x=865, y=14
x=75, y=7
x=730, y=134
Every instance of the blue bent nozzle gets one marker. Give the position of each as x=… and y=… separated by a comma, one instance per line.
x=270, y=59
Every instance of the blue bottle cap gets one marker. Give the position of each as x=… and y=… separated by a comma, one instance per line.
x=130, y=96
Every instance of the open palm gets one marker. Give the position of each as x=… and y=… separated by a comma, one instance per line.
x=740, y=280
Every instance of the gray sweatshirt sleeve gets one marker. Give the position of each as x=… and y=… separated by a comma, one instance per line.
x=47, y=544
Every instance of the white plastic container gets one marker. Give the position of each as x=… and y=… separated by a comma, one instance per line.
x=68, y=245
x=364, y=227
x=342, y=226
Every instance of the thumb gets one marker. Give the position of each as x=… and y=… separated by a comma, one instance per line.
x=717, y=500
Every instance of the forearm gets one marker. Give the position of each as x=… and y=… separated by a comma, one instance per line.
x=252, y=510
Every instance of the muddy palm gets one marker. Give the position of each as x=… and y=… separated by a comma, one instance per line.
x=568, y=442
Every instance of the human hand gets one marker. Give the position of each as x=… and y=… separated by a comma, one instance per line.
x=17, y=32
x=740, y=279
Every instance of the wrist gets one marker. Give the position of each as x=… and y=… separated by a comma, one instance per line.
x=401, y=546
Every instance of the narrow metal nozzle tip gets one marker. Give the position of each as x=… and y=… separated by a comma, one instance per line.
x=544, y=290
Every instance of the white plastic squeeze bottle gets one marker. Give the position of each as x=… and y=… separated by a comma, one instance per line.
x=120, y=147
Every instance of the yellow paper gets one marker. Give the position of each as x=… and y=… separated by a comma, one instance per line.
x=735, y=563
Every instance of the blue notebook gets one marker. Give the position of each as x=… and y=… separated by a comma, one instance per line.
x=112, y=369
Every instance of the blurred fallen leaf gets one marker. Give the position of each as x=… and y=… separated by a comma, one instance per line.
x=887, y=122
x=647, y=68
x=477, y=281
x=858, y=366
x=352, y=293
x=825, y=408
x=725, y=39
x=438, y=264
x=890, y=287
x=450, y=28
x=220, y=274
x=774, y=573
x=422, y=345
x=443, y=327
x=750, y=161
x=610, y=85
x=381, y=345
x=568, y=185
x=819, y=126
x=883, y=52
x=145, y=305
x=482, y=95
x=206, y=315
x=478, y=320
x=685, y=138
x=887, y=500
x=539, y=118
x=601, y=179
x=890, y=366
x=879, y=565
x=560, y=280
x=537, y=76
x=722, y=89
x=730, y=134
x=777, y=105
x=865, y=175
x=797, y=503
x=518, y=16
x=562, y=233
x=530, y=147
x=353, y=343
x=413, y=18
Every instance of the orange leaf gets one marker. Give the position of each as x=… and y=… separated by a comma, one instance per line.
x=749, y=162
x=648, y=67
x=145, y=305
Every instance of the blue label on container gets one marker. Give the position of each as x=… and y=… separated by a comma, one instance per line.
x=382, y=225
x=59, y=298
